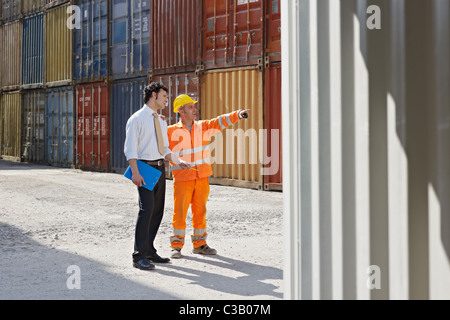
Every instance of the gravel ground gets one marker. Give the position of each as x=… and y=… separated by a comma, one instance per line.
x=68, y=234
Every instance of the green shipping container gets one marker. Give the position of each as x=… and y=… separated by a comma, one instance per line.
x=11, y=124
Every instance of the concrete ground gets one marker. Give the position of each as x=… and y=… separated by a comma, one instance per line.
x=68, y=234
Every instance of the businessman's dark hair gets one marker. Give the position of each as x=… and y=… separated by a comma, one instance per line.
x=153, y=87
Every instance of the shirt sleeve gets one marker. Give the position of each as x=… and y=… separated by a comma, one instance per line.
x=165, y=138
x=131, y=139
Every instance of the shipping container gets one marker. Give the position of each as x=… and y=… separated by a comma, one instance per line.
x=59, y=129
x=91, y=42
x=236, y=153
x=182, y=83
x=272, y=128
x=130, y=47
x=232, y=33
x=33, y=134
x=12, y=9
x=273, y=31
x=126, y=99
x=53, y=3
x=33, y=51
x=93, y=119
x=12, y=49
x=58, y=47
x=174, y=36
x=1, y=57
x=32, y=6
x=11, y=119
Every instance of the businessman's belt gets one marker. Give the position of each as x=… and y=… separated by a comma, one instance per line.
x=158, y=163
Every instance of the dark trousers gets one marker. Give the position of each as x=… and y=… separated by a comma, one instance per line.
x=151, y=210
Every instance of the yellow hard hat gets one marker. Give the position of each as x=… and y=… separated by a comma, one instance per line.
x=181, y=100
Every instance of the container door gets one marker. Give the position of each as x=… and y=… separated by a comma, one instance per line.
x=60, y=126
x=34, y=125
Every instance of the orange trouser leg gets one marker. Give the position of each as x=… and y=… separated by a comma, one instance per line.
x=182, y=195
x=198, y=207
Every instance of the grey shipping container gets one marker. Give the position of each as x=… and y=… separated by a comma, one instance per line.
x=59, y=129
x=33, y=51
x=126, y=99
x=33, y=134
x=91, y=42
x=130, y=47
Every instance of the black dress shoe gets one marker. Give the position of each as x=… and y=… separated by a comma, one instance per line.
x=156, y=258
x=143, y=264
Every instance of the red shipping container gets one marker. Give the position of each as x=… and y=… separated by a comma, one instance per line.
x=93, y=134
x=273, y=160
x=174, y=36
x=180, y=83
x=273, y=31
x=232, y=33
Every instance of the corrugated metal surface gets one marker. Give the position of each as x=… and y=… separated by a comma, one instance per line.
x=53, y=3
x=366, y=143
x=12, y=49
x=174, y=36
x=126, y=99
x=182, y=83
x=33, y=134
x=58, y=47
x=272, y=124
x=11, y=118
x=33, y=50
x=237, y=151
x=1, y=58
x=59, y=130
x=91, y=41
x=232, y=33
x=130, y=38
x=273, y=30
x=12, y=9
x=32, y=6
x=93, y=119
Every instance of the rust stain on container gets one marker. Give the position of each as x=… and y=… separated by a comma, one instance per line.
x=11, y=119
x=58, y=47
x=272, y=124
x=93, y=134
x=236, y=153
x=11, y=56
x=174, y=36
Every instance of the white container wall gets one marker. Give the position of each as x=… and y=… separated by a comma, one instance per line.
x=366, y=149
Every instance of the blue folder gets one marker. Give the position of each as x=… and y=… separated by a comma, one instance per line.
x=150, y=174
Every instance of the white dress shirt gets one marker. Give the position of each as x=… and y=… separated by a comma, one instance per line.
x=141, y=141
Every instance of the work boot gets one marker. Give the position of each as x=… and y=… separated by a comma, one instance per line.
x=205, y=249
x=176, y=253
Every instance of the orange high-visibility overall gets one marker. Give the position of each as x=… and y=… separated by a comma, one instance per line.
x=191, y=187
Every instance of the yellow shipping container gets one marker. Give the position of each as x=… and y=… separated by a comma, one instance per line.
x=11, y=55
x=10, y=129
x=58, y=47
x=236, y=152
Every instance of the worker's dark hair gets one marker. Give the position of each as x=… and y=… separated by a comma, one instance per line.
x=153, y=87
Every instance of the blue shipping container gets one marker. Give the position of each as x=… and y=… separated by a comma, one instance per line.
x=130, y=47
x=33, y=50
x=126, y=99
x=59, y=129
x=91, y=41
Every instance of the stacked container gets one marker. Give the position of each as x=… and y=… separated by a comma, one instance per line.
x=77, y=70
x=92, y=108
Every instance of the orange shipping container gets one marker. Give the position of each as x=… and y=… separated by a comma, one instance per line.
x=93, y=134
x=273, y=31
x=272, y=123
x=237, y=152
x=232, y=33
